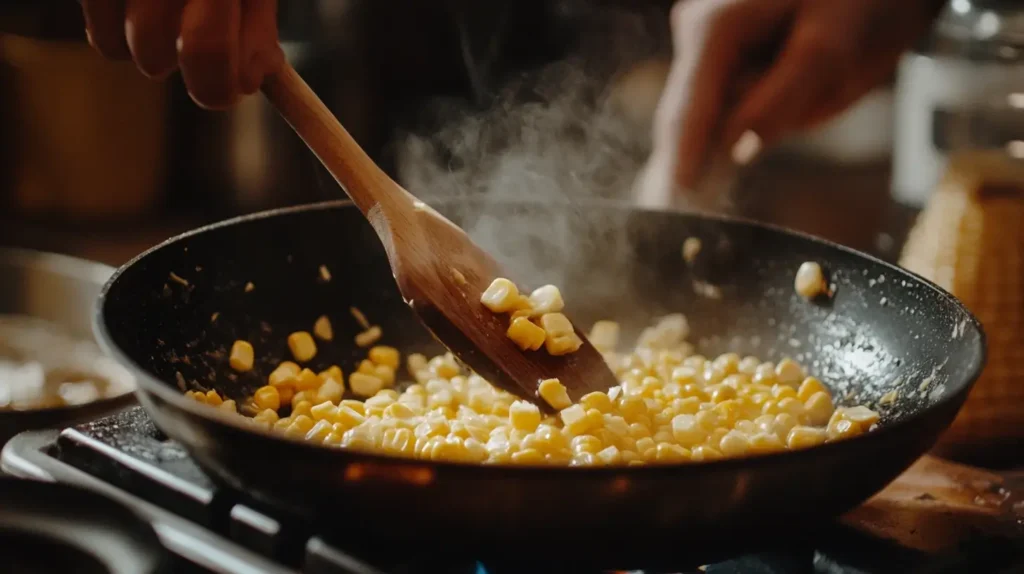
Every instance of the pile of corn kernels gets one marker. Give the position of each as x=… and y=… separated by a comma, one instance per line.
x=672, y=406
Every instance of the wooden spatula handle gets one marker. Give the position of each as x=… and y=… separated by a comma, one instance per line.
x=337, y=150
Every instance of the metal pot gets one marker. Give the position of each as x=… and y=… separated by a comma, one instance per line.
x=61, y=290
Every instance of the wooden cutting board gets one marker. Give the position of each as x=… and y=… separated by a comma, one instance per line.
x=937, y=505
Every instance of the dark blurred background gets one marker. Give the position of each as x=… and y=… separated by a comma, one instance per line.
x=99, y=162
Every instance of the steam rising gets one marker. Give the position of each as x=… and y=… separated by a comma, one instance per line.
x=559, y=135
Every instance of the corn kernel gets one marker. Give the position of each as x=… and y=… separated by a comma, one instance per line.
x=242, y=356
x=554, y=393
x=575, y=419
x=604, y=335
x=789, y=372
x=302, y=346
x=302, y=408
x=307, y=381
x=319, y=431
x=528, y=456
x=861, y=415
x=525, y=334
x=322, y=329
x=546, y=299
x=369, y=336
x=687, y=431
x=386, y=374
x=805, y=437
x=331, y=390
x=213, y=398
x=387, y=356
x=228, y=405
x=301, y=424
x=809, y=387
x=524, y=416
x=267, y=398
x=268, y=416
x=323, y=411
x=501, y=296
x=348, y=417
x=818, y=408
x=609, y=455
x=666, y=452
x=284, y=375
x=300, y=396
x=734, y=443
x=364, y=385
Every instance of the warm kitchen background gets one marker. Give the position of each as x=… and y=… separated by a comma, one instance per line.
x=499, y=97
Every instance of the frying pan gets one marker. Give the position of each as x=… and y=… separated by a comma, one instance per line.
x=884, y=330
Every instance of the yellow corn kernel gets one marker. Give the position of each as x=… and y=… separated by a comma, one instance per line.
x=524, y=416
x=267, y=398
x=632, y=408
x=810, y=387
x=444, y=367
x=387, y=356
x=302, y=408
x=364, y=385
x=301, y=424
x=609, y=455
x=748, y=365
x=734, y=443
x=268, y=416
x=528, y=456
x=687, y=430
x=348, y=417
x=307, y=381
x=282, y=424
x=805, y=437
x=322, y=329
x=818, y=408
x=727, y=363
x=575, y=419
x=332, y=372
x=284, y=374
x=323, y=411
x=586, y=443
x=399, y=411
x=369, y=336
x=546, y=299
x=764, y=374
x=416, y=363
x=789, y=372
x=501, y=296
x=792, y=406
x=843, y=429
x=861, y=415
x=604, y=335
x=781, y=391
x=213, y=398
x=331, y=390
x=764, y=443
x=782, y=424
x=319, y=431
x=554, y=393
x=300, y=396
x=228, y=405
x=686, y=406
x=242, y=356
x=525, y=334
x=666, y=452
x=302, y=346
x=722, y=393
x=705, y=453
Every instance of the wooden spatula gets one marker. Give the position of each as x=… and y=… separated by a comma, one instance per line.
x=439, y=270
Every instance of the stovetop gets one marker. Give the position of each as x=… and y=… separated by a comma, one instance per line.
x=207, y=528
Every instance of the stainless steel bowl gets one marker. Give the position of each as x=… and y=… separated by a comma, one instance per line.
x=62, y=290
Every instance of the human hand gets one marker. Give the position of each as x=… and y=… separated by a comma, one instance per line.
x=718, y=96
x=224, y=48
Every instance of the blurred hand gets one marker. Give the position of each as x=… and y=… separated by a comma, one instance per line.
x=224, y=48
x=723, y=91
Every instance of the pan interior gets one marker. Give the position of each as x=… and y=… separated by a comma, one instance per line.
x=885, y=339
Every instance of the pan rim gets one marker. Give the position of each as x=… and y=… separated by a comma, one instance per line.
x=147, y=383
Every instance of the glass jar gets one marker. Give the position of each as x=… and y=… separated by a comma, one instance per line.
x=961, y=91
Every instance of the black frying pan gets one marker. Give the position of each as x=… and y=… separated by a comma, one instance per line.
x=884, y=330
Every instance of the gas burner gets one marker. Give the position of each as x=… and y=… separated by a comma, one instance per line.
x=208, y=528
